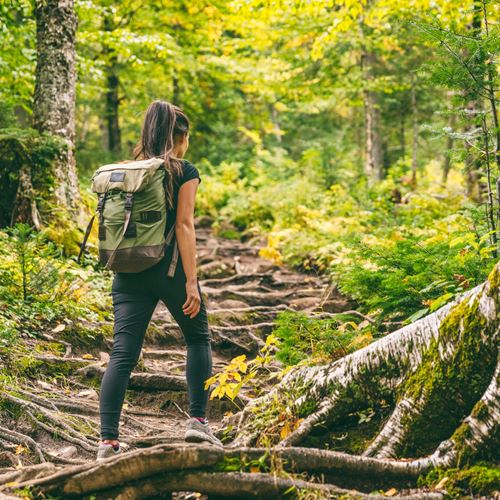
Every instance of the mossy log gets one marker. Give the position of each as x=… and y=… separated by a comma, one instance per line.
x=440, y=372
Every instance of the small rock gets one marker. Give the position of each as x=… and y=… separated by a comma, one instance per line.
x=88, y=393
x=391, y=492
x=59, y=328
x=104, y=357
x=66, y=452
x=215, y=269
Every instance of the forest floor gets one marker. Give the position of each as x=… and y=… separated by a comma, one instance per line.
x=243, y=294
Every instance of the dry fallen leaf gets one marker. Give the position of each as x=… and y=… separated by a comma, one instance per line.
x=391, y=492
x=441, y=483
x=59, y=328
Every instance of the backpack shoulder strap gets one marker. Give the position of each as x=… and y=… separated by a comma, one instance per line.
x=100, y=208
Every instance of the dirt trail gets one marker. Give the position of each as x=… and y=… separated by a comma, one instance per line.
x=243, y=294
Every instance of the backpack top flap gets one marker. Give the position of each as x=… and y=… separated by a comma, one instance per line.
x=129, y=177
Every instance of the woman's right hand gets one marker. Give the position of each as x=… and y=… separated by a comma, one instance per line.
x=193, y=300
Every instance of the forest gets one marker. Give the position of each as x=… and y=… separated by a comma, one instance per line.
x=347, y=232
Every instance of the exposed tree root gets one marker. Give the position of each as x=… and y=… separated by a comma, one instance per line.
x=231, y=484
x=421, y=363
x=28, y=473
x=51, y=421
x=202, y=468
x=252, y=298
x=145, y=381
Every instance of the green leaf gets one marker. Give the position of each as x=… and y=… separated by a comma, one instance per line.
x=440, y=301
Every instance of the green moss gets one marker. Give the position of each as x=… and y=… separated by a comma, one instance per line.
x=85, y=338
x=20, y=147
x=481, y=479
x=65, y=235
x=49, y=347
x=28, y=366
x=480, y=411
x=450, y=388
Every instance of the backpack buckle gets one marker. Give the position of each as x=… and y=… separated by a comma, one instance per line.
x=129, y=201
x=100, y=202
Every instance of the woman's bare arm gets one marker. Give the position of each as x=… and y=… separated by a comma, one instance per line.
x=186, y=241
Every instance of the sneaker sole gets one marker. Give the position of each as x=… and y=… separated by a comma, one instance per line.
x=108, y=456
x=194, y=436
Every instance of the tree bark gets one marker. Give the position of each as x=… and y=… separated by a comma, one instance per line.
x=373, y=141
x=112, y=96
x=54, y=99
x=414, y=110
x=25, y=208
x=452, y=121
x=474, y=109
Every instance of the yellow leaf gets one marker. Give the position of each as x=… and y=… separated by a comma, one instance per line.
x=254, y=468
x=87, y=356
x=215, y=392
x=285, y=431
x=231, y=390
x=210, y=381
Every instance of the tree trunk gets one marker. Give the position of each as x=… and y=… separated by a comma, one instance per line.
x=25, y=208
x=450, y=355
x=176, y=95
x=54, y=99
x=112, y=97
x=474, y=109
x=414, y=160
x=373, y=141
x=452, y=121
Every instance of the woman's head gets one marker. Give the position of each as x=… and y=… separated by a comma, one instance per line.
x=165, y=134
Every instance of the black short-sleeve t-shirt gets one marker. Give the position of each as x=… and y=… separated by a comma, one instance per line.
x=189, y=172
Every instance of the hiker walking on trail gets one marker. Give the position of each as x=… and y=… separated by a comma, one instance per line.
x=164, y=141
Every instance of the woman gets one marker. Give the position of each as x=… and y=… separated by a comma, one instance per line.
x=165, y=134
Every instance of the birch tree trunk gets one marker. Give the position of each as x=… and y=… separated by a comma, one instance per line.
x=442, y=372
x=54, y=100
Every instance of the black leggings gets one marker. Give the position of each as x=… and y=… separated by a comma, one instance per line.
x=135, y=296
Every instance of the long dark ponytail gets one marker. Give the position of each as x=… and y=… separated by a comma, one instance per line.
x=164, y=123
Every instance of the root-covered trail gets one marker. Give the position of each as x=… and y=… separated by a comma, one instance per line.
x=279, y=440
x=59, y=422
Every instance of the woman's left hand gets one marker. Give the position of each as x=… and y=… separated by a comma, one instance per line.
x=193, y=301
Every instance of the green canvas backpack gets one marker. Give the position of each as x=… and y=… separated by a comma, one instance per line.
x=132, y=213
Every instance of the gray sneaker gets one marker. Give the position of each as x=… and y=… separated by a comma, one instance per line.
x=106, y=450
x=196, y=432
